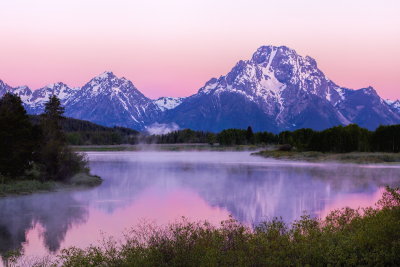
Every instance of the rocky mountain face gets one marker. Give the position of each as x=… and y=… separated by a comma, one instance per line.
x=106, y=100
x=109, y=100
x=167, y=103
x=394, y=104
x=275, y=90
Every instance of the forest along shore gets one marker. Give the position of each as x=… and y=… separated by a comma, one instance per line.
x=35, y=157
x=345, y=144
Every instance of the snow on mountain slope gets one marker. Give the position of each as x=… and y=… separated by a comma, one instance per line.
x=105, y=99
x=110, y=101
x=166, y=103
x=394, y=104
x=4, y=88
x=41, y=96
x=275, y=90
x=289, y=89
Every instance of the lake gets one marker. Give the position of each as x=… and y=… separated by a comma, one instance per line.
x=161, y=187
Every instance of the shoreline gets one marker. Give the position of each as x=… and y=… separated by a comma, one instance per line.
x=266, y=151
x=29, y=187
x=320, y=157
x=166, y=147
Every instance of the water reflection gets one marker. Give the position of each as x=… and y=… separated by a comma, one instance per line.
x=163, y=186
x=56, y=213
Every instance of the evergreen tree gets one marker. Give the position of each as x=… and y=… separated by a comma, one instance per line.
x=57, y=160
x=51, y=120
x=17, y=137
x=250, y=135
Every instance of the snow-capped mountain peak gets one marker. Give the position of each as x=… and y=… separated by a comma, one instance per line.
x=107, y=95
x=4, y=88
x=276, y=89
x=284, y=90
x=167, y=103
x=394, y=104
x=109, y=83
x=274, y=78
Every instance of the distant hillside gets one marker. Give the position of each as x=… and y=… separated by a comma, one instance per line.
x=80, y=132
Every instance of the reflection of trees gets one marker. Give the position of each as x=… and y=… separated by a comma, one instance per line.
x=56, y=212
x=249, y=192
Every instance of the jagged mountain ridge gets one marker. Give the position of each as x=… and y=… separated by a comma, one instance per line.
x=275, y=90
x=109, y=100
x=105, y=99
x=394, y=104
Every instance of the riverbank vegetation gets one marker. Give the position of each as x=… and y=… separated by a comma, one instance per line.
x=346, y=237
x=34, y=155
x=344, y=139
x=351, y=157
x=26, y=187
x=340, y=139
x=348, y=144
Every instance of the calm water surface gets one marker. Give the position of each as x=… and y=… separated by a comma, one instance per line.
x=162, y=187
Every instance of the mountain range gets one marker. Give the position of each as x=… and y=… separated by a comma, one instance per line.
x=277, y=89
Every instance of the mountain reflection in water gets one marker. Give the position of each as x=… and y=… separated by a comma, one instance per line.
x=164, y=186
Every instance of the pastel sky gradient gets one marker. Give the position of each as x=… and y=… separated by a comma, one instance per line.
x=171, y=48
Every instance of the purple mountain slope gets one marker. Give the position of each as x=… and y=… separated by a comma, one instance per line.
x=109, y=100
x=277, y=89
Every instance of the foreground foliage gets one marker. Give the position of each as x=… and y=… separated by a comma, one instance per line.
x=345, y=237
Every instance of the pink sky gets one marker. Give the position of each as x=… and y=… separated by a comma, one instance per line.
x=171, y=48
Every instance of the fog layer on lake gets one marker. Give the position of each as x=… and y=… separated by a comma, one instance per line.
x=162, y=187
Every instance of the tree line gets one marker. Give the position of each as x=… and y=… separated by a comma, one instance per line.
x=226, y=137
x=35, y=150
x=80, y=132
x=342, y=139
x=338, y=139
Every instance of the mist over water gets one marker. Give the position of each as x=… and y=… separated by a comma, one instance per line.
x=162, y=187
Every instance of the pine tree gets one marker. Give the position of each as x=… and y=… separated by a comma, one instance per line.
x=57, y=160
x=17, y=137
x=250, y=135
x=51, y=119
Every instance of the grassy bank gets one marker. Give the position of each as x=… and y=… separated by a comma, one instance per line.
x=347, y=237
x=26, y=187
x=353, y=157
x=167, y=147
